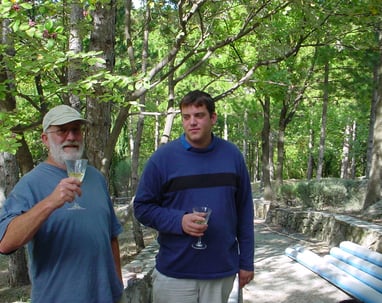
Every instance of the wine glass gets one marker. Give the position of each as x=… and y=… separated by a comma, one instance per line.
x=207, y=211
x=76, y=169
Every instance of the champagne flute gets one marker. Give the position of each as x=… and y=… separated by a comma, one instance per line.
x=207, y=211
x=76, y=169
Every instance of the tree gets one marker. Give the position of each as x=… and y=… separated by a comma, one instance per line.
x=17, y=263
x=294, y=95
x=9, y=172
x=75, y=45
x=374, y=189
x=120, y=63
x=325, y=101
x=102, y=41
x=265, y=135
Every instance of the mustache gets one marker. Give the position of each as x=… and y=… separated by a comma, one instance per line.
x=71, y=143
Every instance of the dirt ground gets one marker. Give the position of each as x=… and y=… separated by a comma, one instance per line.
x=280, y=279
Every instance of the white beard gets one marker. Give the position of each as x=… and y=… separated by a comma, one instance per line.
x=59, y=155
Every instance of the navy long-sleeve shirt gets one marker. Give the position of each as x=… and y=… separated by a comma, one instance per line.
x=179, y=177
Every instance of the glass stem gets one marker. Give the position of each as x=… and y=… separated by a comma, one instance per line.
x=200, y=241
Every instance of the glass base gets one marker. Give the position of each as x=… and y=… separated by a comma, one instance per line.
x=76, y=206
x=199, y=246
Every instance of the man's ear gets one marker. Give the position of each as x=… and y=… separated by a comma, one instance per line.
x=214, y=118
x=44, y=139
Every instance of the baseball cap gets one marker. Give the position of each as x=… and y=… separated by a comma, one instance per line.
x=60, y=115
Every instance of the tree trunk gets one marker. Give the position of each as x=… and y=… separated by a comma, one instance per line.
x=17, y=264
x=309, y=171
x=137, y=230
x=171, y=110
x=225, y=124
x=75, y=46
x=280, y=156
x=18, y=269
x=348, y=155
x=374, y=188
x=8, y=174
x=280, y=146
x=246, y=137
x=98, y=113
x=256, y=161
x=24, y=157
x=265, y=137
x=352, y=170
x=321, y=152
x=373, y=111
x=271, y=153
x=345, y=163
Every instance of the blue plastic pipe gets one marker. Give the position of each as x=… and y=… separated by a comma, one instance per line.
x=334, y=275
x=362, y=252
x=356, y=273
x=357, y=262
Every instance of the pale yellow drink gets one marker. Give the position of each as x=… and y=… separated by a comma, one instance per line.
x=78, y=176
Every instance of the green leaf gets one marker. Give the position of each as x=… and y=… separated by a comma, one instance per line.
x=60, y=29
x=50, y=44
x=15, y=25
x=49, y=25
x=31, y=32
x=26, y=5
x=24, y=26
x=4, y=9
x=94, y=61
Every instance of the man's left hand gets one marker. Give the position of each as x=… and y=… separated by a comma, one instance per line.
x=245, y=277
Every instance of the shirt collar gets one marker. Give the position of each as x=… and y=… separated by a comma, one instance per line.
x=189, y=147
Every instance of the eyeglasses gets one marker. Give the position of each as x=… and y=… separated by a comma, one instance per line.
x=63, y=132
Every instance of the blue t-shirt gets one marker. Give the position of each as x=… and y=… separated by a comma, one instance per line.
x=70, y=257
x=178, y=177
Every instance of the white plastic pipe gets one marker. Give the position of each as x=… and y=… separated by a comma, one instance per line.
x=336, y=276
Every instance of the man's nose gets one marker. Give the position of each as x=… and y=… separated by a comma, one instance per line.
x=193, y=120
x=72, y=134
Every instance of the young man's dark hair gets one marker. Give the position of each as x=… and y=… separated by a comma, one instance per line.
x=198, y=98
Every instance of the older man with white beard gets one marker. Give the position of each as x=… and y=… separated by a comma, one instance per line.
x=74, y=255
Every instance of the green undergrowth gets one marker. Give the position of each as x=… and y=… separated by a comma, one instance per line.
x=324, y=194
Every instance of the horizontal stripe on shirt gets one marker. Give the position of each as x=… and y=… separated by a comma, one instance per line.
x=201, y=181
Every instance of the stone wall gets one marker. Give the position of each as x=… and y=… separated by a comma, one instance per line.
x=331, y=228
x=137, y=275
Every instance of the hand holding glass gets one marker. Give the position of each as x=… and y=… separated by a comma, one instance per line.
x=207, y=212
x=76, y=169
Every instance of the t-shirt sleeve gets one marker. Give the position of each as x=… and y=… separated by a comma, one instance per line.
x=15, y=205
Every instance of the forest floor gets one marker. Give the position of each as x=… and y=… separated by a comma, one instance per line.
x=127, y=247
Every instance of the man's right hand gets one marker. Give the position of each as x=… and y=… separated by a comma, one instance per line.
x=191, y=224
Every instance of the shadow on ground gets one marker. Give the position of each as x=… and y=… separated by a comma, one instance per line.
x=280, y=279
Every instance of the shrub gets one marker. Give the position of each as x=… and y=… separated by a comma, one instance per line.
x=322, y=194
x=121, y=177
x=287, y=194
